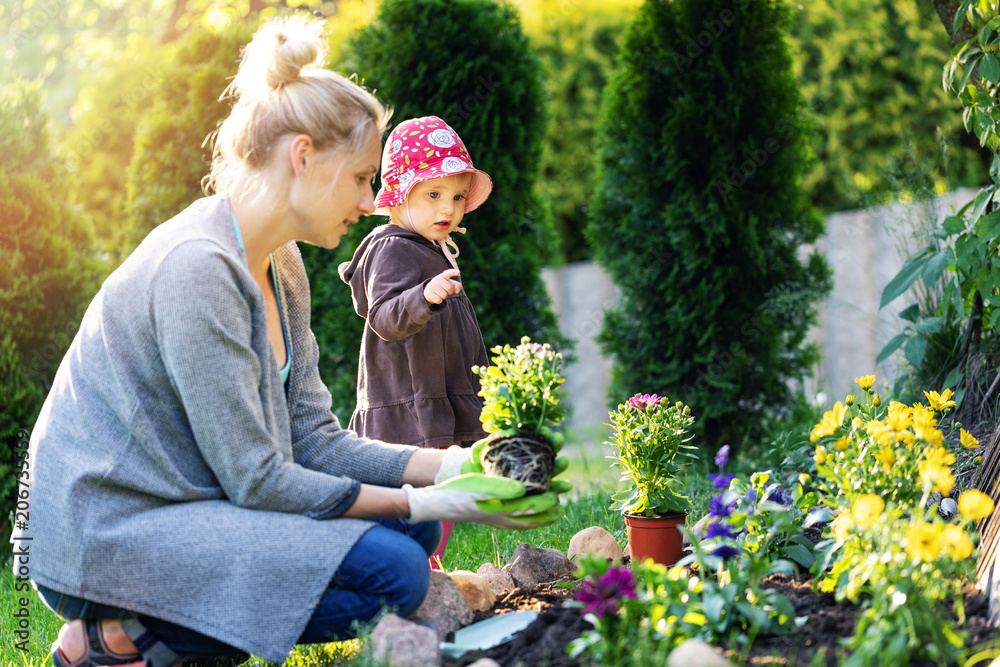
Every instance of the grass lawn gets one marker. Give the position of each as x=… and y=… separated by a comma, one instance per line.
x=471, y=545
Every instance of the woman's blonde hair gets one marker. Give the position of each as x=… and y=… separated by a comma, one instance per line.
x=282, y=88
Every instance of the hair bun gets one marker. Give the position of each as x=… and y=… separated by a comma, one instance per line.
x=278, y=54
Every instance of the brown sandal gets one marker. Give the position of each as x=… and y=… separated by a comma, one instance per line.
x=101, y=646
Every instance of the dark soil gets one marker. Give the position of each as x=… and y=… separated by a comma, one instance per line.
x=544, y=641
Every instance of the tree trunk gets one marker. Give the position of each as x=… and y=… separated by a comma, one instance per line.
x=171, y=32
x=946, y=10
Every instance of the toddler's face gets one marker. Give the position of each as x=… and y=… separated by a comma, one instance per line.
x=434, y=208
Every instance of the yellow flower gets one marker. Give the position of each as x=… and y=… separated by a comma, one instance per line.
x=856, y=423
x=842, y=443
x=881, y=433
x=876, y=401
x=867, y=508
x=956, y=543
x=940, y=402
x=832, y=420
x=850, y=399
x=938, y=477
x=820, y=456
x=898, y=420
x=975, y=505
x=906, y=437
x=968, y=442
x=924, y=427
x=941, y=456
x=887, y=457
x=842, y=527
x=865, y=381
x=922, y=541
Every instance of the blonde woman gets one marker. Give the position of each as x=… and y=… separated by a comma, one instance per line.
x=192, y=495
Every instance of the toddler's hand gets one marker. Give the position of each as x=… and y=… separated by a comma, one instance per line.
x=441, y=285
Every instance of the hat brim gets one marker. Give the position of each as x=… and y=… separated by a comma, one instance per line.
x=479, y=191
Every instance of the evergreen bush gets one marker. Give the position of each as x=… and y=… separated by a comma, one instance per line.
x=468, y=62
x=700, y=215
x=47, y=276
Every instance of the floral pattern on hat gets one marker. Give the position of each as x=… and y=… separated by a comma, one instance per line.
x=421, y=149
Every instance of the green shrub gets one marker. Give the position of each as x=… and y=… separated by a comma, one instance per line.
x=871, y=74
x=47, y=275
x=169, y=160
x=468, y=62
x=700, y=215
x=576, y=44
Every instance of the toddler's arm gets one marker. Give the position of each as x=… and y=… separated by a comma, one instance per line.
x=441, y=285
x=395, y=287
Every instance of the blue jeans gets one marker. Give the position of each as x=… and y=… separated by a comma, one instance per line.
x=387, y=567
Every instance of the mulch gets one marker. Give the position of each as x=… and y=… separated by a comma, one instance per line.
x=544, y=641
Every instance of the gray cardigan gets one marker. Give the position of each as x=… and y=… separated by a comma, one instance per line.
x=171, y=472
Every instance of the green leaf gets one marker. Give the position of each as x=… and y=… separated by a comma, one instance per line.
x=915, y=349
x=714, y=604
x=994, y=318
x=988, y=226
x=982, y=199
x=800, y=555
x=991, y=26
x=953, y=224
x=911, y=314
x=960, y=16
x=948, y=78
x=936, y=264
x=954, y=377
x=989, y=68
x=890, y=347
x=906, y=277
x=757, y=617
x=931, y=325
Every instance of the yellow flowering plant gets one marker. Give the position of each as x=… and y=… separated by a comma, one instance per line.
x=902, y=567
x=894, y=451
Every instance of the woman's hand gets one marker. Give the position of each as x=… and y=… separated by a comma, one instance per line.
x=441, y=285
x=476, y=498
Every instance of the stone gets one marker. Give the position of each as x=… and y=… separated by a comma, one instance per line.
x=500, y=582
x=555, y=564
x=444, y=608
x=397, y=641
x=476, y=590
x=525, y=566
x=594, y=541
x=693, y=652
x=485, y=662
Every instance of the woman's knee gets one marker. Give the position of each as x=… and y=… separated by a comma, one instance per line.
x=409, y=587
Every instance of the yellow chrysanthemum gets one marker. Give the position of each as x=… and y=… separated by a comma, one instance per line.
x=925, y=431
x=842, y=443
x=940, y=402
x=887, y=457
x=938, y=477
x=975, y=505
x=842, y=527
x=906, y=437
x=876, y=401
x=865, y=381
x=832, y=420
x=898, y=420
x=896, y=406
x=880, y=432
x=968, y=442
x=849, y=400
x=856, y=423
x=956, y=543
x=923, y=541
x=867, y=509
x=941, y=456
x=820, y=456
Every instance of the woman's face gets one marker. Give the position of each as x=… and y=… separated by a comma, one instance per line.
x=333, y=191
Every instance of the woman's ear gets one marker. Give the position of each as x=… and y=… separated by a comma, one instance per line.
x=301, y=151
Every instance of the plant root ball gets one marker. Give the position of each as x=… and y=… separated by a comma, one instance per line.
x=525, y=457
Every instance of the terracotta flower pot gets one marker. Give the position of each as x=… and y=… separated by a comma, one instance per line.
x=657, y=537
x=525, y=457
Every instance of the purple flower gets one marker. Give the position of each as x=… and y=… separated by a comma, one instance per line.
x=719, y=508
x=643, y=402
x=720, y=481
x=781, y=496
x=722, y=457
x=718, y=529
x=615, y=584
x=725, y=552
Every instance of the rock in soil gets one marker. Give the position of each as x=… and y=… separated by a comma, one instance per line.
x=401, y=642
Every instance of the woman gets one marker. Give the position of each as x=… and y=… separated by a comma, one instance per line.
x=192, y=494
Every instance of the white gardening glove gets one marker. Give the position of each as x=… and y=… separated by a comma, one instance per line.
x=463, y=460
x=455, y=458
x=465, y=498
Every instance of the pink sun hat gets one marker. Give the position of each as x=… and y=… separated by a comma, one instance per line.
x=420, y=149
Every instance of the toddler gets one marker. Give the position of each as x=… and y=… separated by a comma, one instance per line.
x=421, y=337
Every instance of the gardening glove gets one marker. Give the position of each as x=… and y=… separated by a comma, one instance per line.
x=477, y=498
x=459, y=461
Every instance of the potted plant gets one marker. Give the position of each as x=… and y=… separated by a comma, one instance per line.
x=520, y=409
x=648, y=439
